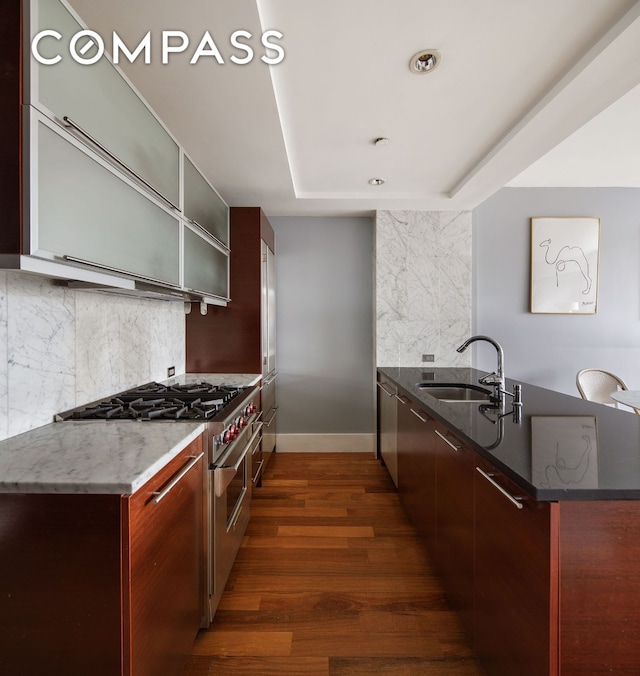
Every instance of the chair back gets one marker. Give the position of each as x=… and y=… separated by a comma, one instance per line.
x=597, y=385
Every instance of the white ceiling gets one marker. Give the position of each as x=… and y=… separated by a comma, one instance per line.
x=542, y=92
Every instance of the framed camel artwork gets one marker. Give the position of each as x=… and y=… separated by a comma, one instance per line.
x=564, y=265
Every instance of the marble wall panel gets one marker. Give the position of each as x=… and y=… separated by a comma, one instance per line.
x=166, y=338
x=4, y=365
x=41, y=346
x=61, y=348
x=423, y=286
x=113, y=344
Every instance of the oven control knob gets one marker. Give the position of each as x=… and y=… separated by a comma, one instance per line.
x=230, y=434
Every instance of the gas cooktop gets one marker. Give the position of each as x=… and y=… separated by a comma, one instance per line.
x=154, y=401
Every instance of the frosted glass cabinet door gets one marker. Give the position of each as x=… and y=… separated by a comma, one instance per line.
x=84, y=210
x=98, y=99
x=206, y=268
x=203, y=205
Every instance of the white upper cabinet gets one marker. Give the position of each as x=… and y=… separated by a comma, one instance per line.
x=86, y=212
x=206, y=266
x=101, y=104
x=108, y=192
x=203, y=206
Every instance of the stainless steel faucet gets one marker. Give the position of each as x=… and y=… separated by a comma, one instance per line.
x=497, y=378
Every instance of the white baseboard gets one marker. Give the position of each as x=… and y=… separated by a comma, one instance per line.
x=325, y=443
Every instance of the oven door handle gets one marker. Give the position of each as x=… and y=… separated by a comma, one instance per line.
x=223, y=475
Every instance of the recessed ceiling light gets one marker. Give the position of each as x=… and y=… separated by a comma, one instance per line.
x=425, y=61
x=376, y=181
x=380, y=141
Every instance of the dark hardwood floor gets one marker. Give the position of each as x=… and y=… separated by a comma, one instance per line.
x=331, y=580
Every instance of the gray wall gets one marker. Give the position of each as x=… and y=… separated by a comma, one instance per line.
x=549, y=350
x=324, y=320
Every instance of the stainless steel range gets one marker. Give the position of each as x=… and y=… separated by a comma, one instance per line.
x=232, y=435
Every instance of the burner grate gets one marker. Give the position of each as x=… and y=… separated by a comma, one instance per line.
x=153, y=401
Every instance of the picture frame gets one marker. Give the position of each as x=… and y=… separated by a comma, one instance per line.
x=564, y=451
x=565, y=254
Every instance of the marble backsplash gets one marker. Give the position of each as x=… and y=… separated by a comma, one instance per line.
x=423, y=287
x=64, y=348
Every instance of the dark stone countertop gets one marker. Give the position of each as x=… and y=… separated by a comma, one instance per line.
x=564, y=448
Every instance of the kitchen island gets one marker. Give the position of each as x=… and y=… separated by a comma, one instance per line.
x=533, y=521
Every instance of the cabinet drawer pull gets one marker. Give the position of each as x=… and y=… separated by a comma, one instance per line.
x=446, y=441
x=417, y=415
x=256, y=437
x=266, y=383
x=271, y=419
x=163, y=494
x=385, y=390
x=513, y=499
x=70, y=123
x=401, y=399
x=258, y=471
x=235, y=520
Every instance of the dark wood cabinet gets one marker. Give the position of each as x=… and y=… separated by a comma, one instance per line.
x=239, y=338
x=387, y=412
x=453, y=552
x=164, y=534
x=599, y=587
x=417, y=467
x=516, y=608
x=11, y=142
x=229, y=339
x=104, y=584
x=493, y=547
x=543, y=588
x=60, y=584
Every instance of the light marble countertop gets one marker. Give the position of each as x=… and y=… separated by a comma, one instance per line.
x=238, y=379
x=91, y=456
x=100, y=456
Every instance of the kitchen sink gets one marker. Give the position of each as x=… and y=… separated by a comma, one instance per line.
x=456, y=392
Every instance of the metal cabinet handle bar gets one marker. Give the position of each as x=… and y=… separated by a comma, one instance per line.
x=268, y=382
x=268, y=423
x=247, y=447
x=211, y=295
x=417, y=415
x=401, y=399
x=210, y=235
x=384, y=389
x=513, y=499
x=190, y=465
x=235, y=520
x=70, y=123
x=110, y=268
x=446, y=441
x=255, y=478
x=256, y=433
